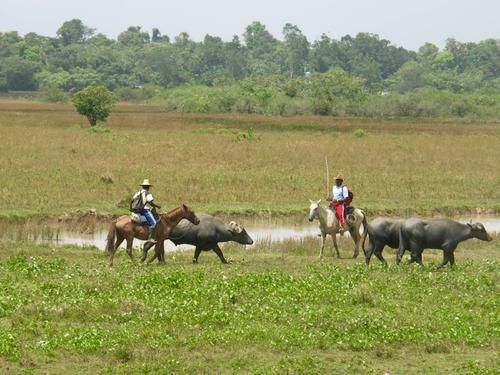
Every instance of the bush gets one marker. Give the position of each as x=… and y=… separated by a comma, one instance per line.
x=273, y=97
x=136, y=94
x=52, y=94
x=128, y=94
x=359, y=133
x=95, y=103
x=428, y=103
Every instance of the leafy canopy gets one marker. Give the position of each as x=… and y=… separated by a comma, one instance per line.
x=94, y=102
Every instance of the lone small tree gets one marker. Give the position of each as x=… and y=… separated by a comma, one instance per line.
x=94, y=102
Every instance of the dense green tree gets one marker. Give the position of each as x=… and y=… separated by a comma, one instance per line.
x=427, y=53
x=259, y=41
x=210, y=59
x=78, y=58
x=156, y=37
x=184, y=41
x=330, y=91
x=19, y=74
x=8, y=44
x=373, y=58
x=165, y=62
x=327, y=53
x=409, y=77
x=236, y=59
x=74, y=31
x=297, y=50
x=101, y=40
x=133, y=37
x=95, y=103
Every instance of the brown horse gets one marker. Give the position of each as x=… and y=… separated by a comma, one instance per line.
x=124, y=228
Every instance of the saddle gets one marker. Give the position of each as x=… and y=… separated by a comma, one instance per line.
x=141, y=219
x=349, y=210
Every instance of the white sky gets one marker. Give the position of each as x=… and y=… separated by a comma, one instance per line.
x=405, y=23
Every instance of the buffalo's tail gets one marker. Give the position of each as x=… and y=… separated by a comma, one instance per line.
x=365, y=232
x=402, y=245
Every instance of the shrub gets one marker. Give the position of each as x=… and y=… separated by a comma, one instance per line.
x=52, y=94
x=359, y=133
x=95, y=103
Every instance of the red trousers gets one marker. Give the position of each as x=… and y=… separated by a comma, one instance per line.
x=339, y=210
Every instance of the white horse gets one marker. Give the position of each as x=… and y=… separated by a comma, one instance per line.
x=329, y=224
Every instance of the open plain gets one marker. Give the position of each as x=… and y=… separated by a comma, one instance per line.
x=276, y=308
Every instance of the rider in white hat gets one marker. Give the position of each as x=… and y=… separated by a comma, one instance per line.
x=147, y=201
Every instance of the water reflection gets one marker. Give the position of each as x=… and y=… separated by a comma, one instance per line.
x=93, y=233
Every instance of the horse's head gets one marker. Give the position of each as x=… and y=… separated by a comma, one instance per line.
x=189, y=214
x=313, y=209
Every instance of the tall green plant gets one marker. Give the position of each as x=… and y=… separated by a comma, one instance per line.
x=95, y=103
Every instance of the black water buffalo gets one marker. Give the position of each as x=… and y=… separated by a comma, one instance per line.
x=206, y=235
x=419, y=234
x=381, y=232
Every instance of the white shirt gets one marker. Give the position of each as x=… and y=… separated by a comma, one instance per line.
x=147, y=198
x=340, y=193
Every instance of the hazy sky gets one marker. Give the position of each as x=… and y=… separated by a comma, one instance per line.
x=403, y=22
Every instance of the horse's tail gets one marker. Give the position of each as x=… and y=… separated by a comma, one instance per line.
x=365, y=232
x=110, y=239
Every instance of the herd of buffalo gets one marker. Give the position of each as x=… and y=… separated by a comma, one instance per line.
x=416, y=234
x=205, y=232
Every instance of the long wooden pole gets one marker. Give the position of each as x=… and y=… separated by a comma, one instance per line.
x=327, y=177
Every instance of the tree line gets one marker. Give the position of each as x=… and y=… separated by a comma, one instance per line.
x=267, y=74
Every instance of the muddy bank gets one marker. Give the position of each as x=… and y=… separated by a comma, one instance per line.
x=87, y=219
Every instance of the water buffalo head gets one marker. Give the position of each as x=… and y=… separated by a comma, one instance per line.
x=478, y=231
x=239, y=234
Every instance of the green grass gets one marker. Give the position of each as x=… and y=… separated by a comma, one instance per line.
x=274, y=310
x=52, y=163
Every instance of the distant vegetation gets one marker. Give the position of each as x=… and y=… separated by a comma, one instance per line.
x=360, y=76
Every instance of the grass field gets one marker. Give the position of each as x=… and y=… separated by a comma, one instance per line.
x=52, y=163
x=274, y=310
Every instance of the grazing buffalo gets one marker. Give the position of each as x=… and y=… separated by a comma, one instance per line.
x=381, y=232
x=419, y=234
x=206, y=235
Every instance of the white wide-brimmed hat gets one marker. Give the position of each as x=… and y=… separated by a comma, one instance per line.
x=145, y=183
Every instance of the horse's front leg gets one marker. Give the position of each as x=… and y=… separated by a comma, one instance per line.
x=145, y=249
x=161, y=253
x=334, y=239
x=323, y=240
x=161, y=249
x=155, y=254
x=130, y=242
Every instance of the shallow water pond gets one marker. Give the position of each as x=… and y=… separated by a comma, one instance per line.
x=93, y=233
